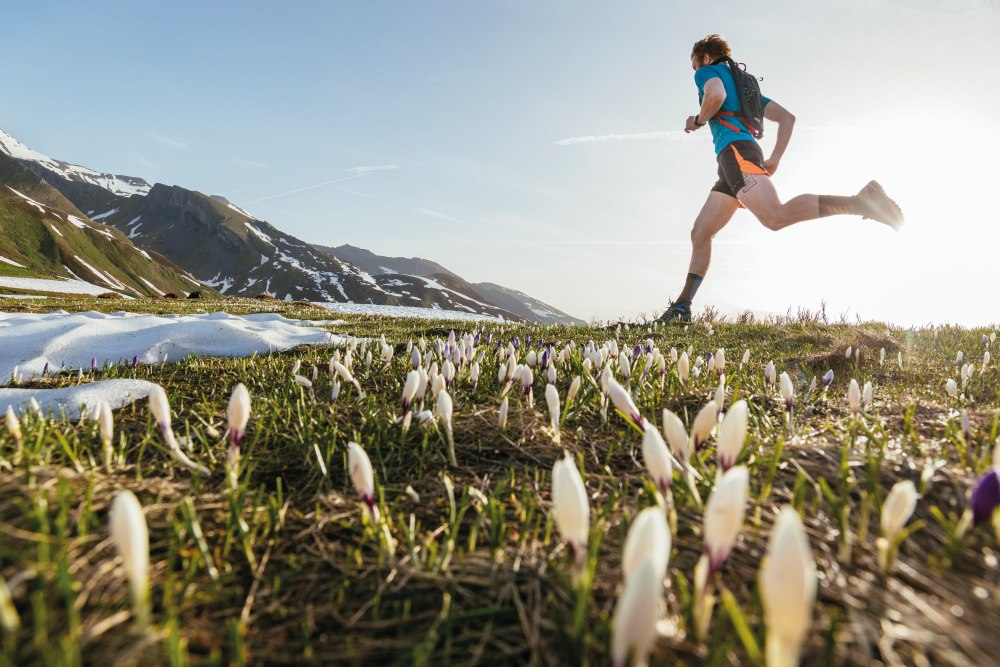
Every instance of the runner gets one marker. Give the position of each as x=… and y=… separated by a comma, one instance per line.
x=744, y=174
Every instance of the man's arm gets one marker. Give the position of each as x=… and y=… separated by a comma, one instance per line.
x=711, y=101
x=786, y=121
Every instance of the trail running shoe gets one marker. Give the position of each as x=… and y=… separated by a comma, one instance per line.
x=876, y=205
x=677, y=312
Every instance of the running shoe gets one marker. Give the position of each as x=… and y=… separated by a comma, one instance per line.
x=679, y=311
x=876, y=205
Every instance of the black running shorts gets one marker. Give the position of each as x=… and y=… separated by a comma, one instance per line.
x=739, y=164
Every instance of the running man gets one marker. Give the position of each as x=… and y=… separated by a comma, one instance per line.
x=744, y=174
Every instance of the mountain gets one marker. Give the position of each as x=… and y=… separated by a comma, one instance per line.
x=44, y=235
x=376, y=264
x=221, y=245
x=518, y=303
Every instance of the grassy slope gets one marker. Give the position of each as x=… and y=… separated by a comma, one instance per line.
x=484, y=576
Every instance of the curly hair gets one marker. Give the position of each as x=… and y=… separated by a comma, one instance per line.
x=714, y=46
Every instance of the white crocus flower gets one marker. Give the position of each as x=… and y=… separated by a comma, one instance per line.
x=866, y=396
x=160, y=408
x=623, y=403
x=13, y=426
x=787, y=584
x=897, y=508
x=551, y=374
x=720, y=394
x=345, y=373
x=854, y=397
x=359, y=469
x=724, y=515
x=732, y=434
x=704, y=422
x=445, y=408
x=504, y=407
x=131, y=538
x=636, y=614
x=648, y=539
x=683, y=368
x=552, y=399
x=238, y=414
x=720, y=361
x=106, y=423
x=770, y=374
x=572, y=508
x=959, y=358
x=881, y=357
x=625, y=366
x=677, y=436
x=850, y=349
x=657, y=458
x=746, y=357
x=787, y=391
x=951, y=387
x=574, y=388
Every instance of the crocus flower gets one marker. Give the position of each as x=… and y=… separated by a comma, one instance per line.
x=881, y=357
x=238, y=414
x=724, y=515
x=504, y=407
x=854, y=397
x=677, y=436
x=160, y=408
x=787, y=584
x=623, y=403
x=93, y=364
x=552, y=399
x=625, y=366
x=574, y=388
x=787, y=391
x=303, y=382
x=966, y=425
x=848, y=353
x=732, y=434
x=746, y=357
x=106, y=424
x=985, y=497
x=866, y=396
x=720, y=361
x=897, y=508
x=827, y=379
x=13, y=426
x=572, y=508
x=551, y=374
x=415, y=358
x=135, y=361
x=959, y=358
x=683, y=368
x=657, y=459
x=770, y=375
x=410, y=390
x=359, y=469
x=720, y=395
x=636, y=615
x=131, y=538
x=345, y=373
x=648, y=539
x=951, y=387
x=704, y=422
x=444, y=409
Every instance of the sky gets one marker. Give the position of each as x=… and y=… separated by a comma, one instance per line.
x=537, y=144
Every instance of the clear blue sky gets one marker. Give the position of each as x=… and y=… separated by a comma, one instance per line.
x=534, y=143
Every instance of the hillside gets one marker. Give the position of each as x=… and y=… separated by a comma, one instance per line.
x=43, y=235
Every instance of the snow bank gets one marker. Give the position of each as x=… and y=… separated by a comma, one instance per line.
x=71, y=340
x=48, y=285
x=71, y=402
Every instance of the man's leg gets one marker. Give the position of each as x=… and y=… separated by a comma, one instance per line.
x=760, y=197
x=714, y=215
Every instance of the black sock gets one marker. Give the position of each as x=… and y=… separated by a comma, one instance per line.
x=836, y=205
x=690, y=288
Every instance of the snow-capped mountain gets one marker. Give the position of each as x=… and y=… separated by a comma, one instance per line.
x=227, y=248
x=45, y=240
x=125, y=186
x=519, y=303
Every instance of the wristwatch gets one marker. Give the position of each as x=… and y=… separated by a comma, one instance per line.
x=696, y=123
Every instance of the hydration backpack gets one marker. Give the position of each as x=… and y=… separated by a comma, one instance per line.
x=751, y=110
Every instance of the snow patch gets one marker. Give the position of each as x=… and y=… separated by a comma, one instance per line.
x=10, y=261
x=259, y=234
x=52, y=285
x=40, y=207
x=152, y=286
x=95, y=218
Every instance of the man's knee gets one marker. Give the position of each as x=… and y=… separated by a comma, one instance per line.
x=700, y=236
x=773, y=220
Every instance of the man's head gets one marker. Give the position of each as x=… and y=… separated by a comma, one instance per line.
x=709, y=49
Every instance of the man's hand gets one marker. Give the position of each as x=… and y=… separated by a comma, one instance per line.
x=771, y=165
x=690, y=126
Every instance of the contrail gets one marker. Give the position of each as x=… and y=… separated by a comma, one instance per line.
x=310, y=187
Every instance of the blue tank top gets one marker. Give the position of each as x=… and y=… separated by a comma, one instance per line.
x=722, y=136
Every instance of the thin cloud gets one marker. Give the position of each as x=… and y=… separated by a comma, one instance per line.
x=145, y=162
x=358, y=193
x=442, y=216
x=639, y=136
x=249, y=164
x=176, y=144
x=308, y=187
x=376, y=167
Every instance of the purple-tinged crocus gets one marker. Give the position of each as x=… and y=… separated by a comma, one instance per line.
x=724, y=516
x=359, y=468
x=985, y=497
